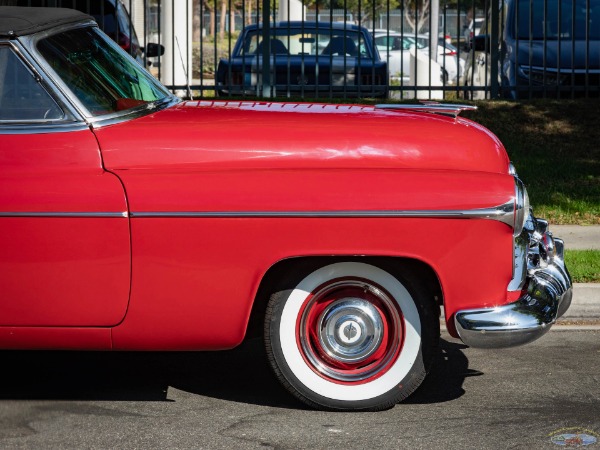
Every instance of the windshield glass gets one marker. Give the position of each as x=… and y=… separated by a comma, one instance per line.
x=557, y=19
x=308, y=41
x=98, y=73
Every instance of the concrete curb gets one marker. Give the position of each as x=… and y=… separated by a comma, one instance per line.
x=586, y=302
x=586, y=296
x=578, y=237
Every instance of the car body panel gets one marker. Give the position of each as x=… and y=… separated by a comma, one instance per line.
x=55, y=338
x=64, y=233
x=154, y=226
x=189, y=135
x=179, y=167
x=194, y=287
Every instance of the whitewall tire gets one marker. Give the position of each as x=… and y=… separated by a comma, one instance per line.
x=350, y=336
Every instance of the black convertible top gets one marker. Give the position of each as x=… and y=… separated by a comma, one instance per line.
x=20, y=21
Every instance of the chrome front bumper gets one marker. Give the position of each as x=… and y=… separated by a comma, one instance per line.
x=547, y=295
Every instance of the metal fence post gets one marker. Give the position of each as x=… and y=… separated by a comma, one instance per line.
x=494, y=46
x=266, y=49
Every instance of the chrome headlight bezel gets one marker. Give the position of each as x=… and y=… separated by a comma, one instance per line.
x=522, y=207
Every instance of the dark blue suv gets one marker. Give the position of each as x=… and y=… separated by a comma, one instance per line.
x=546, y=48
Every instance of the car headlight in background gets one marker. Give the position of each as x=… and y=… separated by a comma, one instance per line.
x=543, y=76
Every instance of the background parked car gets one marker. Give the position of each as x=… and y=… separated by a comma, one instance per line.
x=397, y=46
x=395, y=49
x=112, y=17
x=307, y=58
x=471, y=30
x=540, y=57
x=447, y=57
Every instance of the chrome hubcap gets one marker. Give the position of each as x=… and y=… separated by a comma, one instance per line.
x=350, y=330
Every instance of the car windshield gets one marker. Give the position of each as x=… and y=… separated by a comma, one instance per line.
x=98, y=73
x=393, y=43
x=307, y=41
x=558, y=19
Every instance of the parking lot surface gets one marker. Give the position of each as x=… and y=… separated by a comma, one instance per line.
x=512, y=398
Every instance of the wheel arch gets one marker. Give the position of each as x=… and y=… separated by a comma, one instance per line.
x=293, y=269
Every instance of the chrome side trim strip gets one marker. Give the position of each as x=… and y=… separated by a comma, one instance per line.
x=41, y=128
x=65, y=214
x=503, y=213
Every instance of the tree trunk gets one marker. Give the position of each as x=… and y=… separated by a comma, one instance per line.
x=222, y=19
x=231, y=20
x=196, y=27
x=248, y=12
x=417, y=16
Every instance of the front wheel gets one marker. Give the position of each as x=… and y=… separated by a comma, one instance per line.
x=351, y=336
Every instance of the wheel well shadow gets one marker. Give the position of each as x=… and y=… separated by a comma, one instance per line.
x=289, y=272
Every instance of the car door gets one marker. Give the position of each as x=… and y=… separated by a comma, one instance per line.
x=64, y=231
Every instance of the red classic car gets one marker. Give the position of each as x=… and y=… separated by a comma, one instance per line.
x=130, y=220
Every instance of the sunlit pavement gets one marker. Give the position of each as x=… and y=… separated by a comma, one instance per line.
x=511, y=398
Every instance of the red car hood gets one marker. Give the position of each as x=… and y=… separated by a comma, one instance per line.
x=247, y=135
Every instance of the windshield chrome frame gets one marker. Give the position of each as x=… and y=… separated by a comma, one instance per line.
x=63, y=91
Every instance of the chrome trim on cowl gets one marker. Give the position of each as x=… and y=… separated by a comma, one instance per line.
x=547, y=296
x=141, y=111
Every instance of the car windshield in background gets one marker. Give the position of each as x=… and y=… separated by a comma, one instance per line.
x=562, y=19
x=307, y=42
x=99, y=75
x=393, y=42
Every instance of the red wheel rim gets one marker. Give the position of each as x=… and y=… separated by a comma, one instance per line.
x=350, y=330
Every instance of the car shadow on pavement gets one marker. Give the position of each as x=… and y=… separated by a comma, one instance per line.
x=240, y=375
x=447, y=375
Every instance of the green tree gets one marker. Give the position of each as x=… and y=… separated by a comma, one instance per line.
x=361, y=9
x=416, y=13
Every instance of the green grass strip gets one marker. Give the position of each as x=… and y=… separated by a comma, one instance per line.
x=583, y=265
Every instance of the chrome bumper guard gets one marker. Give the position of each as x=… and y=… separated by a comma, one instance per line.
x=547, y=296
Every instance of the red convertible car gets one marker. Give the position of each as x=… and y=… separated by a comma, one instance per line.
x=130, y=220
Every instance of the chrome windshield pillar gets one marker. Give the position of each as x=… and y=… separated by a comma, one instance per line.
x=546, y=296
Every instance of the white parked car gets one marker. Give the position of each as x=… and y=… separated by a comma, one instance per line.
x=452, y=65
x=395, y=47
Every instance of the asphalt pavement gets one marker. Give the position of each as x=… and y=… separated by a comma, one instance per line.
x=519, y=398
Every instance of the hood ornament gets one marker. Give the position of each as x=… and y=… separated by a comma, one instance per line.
x=445, y=109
